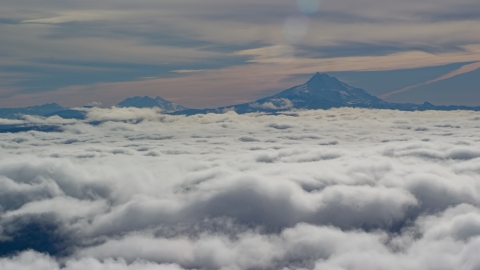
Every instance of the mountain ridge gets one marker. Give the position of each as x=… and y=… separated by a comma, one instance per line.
x=320, y=92
x=16, y=113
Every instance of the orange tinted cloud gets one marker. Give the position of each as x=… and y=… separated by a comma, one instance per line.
x=267, y=72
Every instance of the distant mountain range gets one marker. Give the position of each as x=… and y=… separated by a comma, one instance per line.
x=320, y=92
x=13, y=113
x=52, y=109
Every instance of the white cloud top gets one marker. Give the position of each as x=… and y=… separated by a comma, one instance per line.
x=336, y=189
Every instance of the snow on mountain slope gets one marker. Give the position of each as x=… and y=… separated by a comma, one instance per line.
x=324, y=91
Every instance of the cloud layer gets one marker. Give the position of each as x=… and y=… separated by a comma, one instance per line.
x=58, y=51
x=336, y=189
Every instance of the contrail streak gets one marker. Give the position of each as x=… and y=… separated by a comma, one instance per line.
x=462, y=70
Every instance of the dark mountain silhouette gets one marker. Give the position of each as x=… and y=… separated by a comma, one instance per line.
x=16, y=113
x=320, y=92
x=52, y=109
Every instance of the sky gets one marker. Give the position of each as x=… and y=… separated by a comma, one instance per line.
x=212, y=53
x=346, y=189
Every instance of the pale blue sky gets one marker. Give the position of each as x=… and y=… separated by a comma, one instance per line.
x=217, y=52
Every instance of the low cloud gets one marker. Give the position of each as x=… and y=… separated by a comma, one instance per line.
x=336, y=189
x=276, y=104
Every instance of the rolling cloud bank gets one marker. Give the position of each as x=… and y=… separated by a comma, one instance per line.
x=329, y=189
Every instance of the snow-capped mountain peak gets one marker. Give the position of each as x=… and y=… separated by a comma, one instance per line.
x=323, y=91
x=322, y=80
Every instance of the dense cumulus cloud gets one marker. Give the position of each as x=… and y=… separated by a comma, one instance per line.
x=336, y=189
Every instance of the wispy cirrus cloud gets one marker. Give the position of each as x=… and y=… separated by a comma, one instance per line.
x=265, y=73
x=188, y=70
x=181, y=35
x=462, y=70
